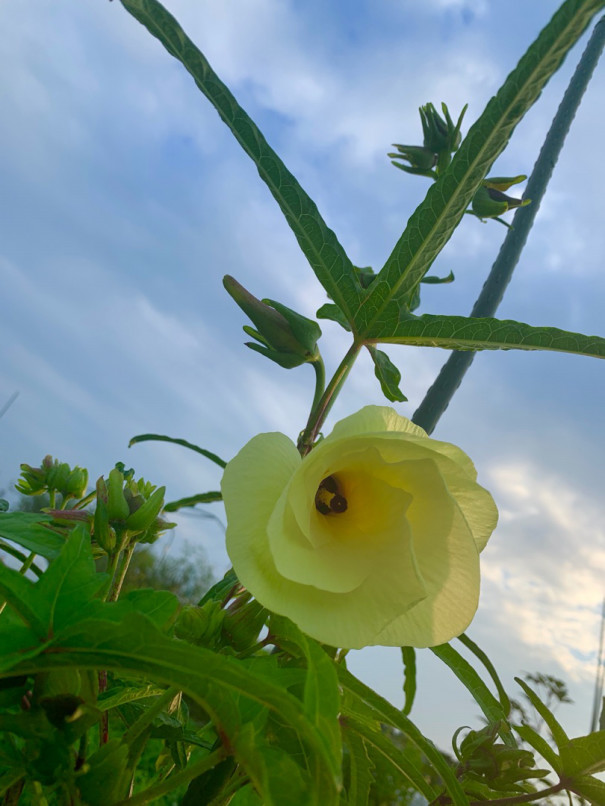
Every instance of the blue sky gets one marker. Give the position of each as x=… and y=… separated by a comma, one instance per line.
x=125, y=200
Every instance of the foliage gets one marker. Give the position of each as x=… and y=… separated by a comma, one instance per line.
x=112, y=693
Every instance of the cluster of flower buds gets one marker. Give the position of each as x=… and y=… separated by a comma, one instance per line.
x=283, y=335
x=485, y=760
x=441, y=138
x=491, y=202
x=53, y=477
x=127, y=509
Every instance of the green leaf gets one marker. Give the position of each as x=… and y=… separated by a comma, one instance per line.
x=160, y=438
x=32, y=531
x=118, y=695
x=560, y=737
x=483, y=696
x=433, y=222
x=385, y=712
x=319, y=244
x=321, y=696
x=539, y=743
x=382, y=746
x=584, y=755
x=467, y=333
x=590, y=788
x=408, y=656
x=360, y=770
x=226, y=691
x=489, y=666
x=387, y=374
x=100, y=785
x=334, y=314
x=206, y=787
x=192, y=500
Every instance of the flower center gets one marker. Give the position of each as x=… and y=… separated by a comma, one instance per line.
x=328, y=498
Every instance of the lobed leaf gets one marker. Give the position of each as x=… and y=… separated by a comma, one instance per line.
x=483, y=696
x=489, y=666
x=319, y=244
x=383, y=711
x=435, y=219
x=192, y=500
x=467, y=333
x=560, y=737
x=408, y=656
x=388, y=375
x=360, y=770
x=32, y=531
x=584, y=755
x=228, y=692
x=161, y=438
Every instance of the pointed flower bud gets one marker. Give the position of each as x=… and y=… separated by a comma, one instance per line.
x=284, y=336
x=421, y=159
x=490, y=202
x=53, y=476
x=441, y=135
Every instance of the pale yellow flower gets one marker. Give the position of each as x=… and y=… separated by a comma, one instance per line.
x=372, y=538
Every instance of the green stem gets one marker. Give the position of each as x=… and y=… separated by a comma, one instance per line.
x=320, y=411
x=188, y=774
x=320, y=381
x=120, y=574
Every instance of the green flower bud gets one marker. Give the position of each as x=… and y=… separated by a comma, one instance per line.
x=77, y=483
x=284, y=336
x=243, y=623
x=156, y=530
x=441, y=135
x=117, y=506
x=421, y=159
x=200, y=625
x=103, y=533
x=145, y=515
x=32, y=480
x=488, y=202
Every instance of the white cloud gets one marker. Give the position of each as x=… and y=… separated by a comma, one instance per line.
x=543, y=568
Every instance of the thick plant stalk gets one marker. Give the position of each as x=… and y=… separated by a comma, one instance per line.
x=451, y=374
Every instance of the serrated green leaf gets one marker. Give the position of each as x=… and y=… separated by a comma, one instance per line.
x=321, y=696
x=334, y=314
x=192, y=500
x=385, y=712
x=539, y=743
x=404, y=766
x=467, y=333
x=100, y=784
x=590, y=788
x=220, y=684
x=560, y=737
x=433, y=222
x=31, y=531
x=319, y=244
x=489, y=666
x=408, y=656
x=584, y=755
x=161, y=438
x=483, y=696
x=118, y=695
x=388, y=375
x=360, y=770
x=206, y=787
